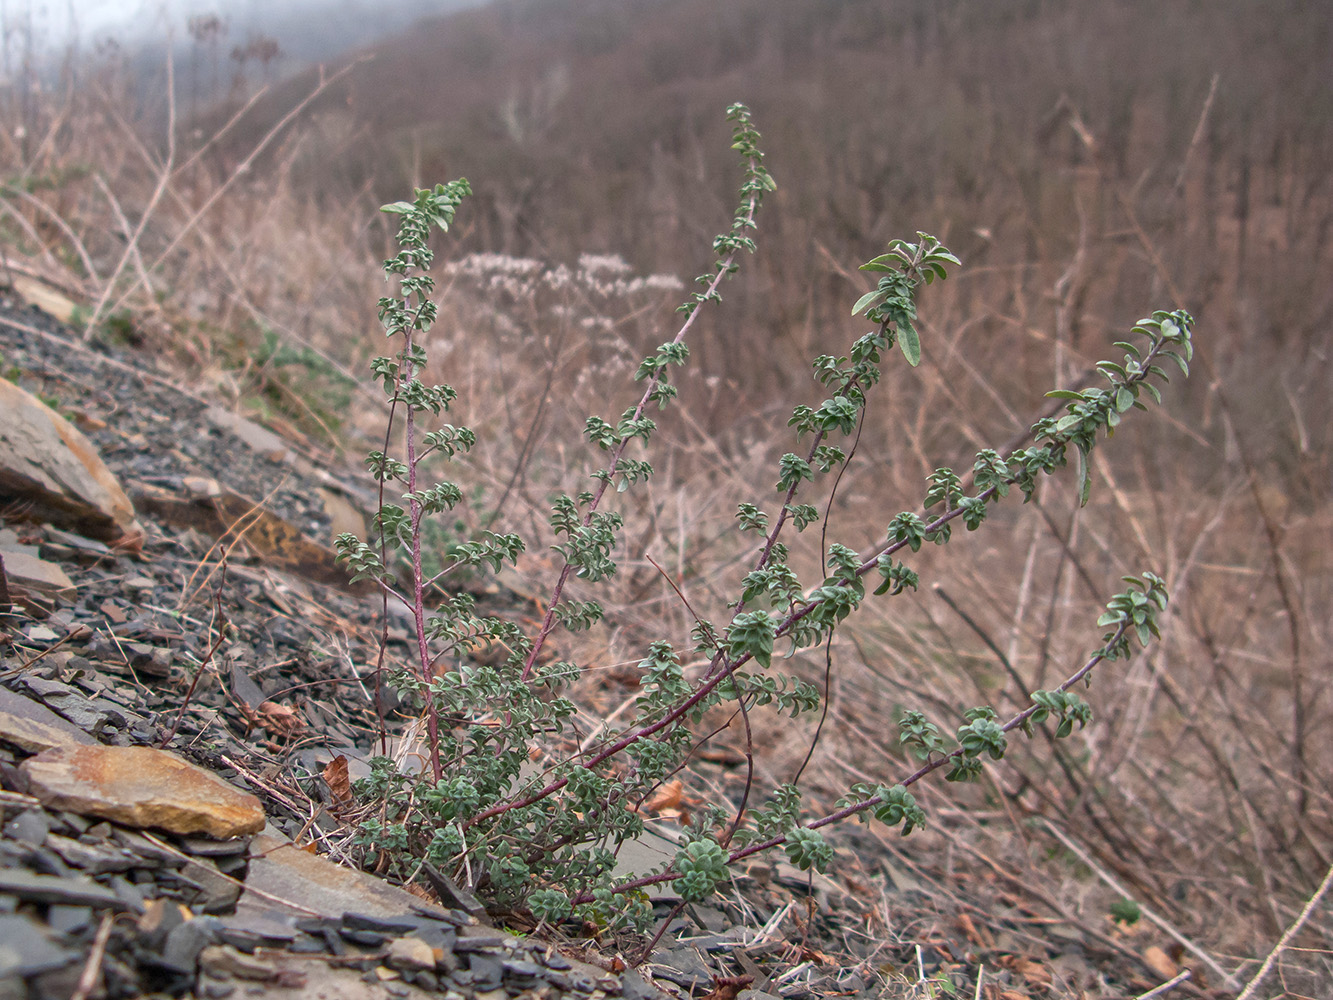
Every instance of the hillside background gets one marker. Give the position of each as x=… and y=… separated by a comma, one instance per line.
x=594, y=126
x=1089, y=162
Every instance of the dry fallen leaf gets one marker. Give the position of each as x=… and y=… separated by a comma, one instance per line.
x=1158, y=960
x=335, y=776
x=727, y=987
x=421, y=892
x=1034, y=973
x=976, y=936
x=281, y=720
x=818, y=957
x=666, y=797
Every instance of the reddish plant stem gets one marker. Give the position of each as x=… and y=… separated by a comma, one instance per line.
x=418, y=604
x=860, y=807
x=218, y=615
x=714, y=677
x=386, y=589
x=724, y=267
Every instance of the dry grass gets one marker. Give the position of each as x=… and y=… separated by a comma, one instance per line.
x=1203, y=787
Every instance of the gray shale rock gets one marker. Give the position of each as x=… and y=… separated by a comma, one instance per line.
x=26, y=951
x=34, y=727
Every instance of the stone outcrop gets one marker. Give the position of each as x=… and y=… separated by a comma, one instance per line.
x=141, y=787
x=50, y=472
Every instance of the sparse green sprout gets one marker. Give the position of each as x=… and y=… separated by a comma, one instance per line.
x=1126, y=911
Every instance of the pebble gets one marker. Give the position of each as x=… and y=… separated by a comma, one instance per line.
x=410, y=953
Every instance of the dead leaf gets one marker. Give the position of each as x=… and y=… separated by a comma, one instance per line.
x=335, y=776
x=1034, y=973
x=978, y=937
x=808, y=954
x=280, y=720
x=666, y=797
x=1158, y=960
x=721, y=755
x=728, y=987
x=421, y=892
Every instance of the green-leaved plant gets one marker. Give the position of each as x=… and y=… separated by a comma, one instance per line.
x=547, y=841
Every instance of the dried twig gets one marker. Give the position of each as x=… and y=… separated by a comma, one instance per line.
x=1285, y=940
x=1179, y=186
x=221, y=624
x=1170, y=984
x=92, y=969
x=242, y=169
x=132, y=247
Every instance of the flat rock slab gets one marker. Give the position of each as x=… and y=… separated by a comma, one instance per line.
x=284, y=872
x=215, y=509
x=34, y=727
x=25, y=950
x=286, y=977
x=69, y=890
x=52, y=473
x=142, y=787
x=28, y=573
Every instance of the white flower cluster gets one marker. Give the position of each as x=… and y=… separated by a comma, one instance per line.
x=592, y=263
x=604, y=275
x=486, y=264
x=497, y=272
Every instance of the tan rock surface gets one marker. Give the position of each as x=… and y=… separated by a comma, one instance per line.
x=52, y=473
x=32, y=726
x=45, y=297
x=28, y=573
x=284, y=871
x=143, y=787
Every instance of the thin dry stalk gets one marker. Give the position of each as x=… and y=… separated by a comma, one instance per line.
x=242, y=169
x=131, y=251
x=92, y=969
x=1166, y=987
x=64, y=227
x=131, y=238
x=1199, y=130
x=1285, y=941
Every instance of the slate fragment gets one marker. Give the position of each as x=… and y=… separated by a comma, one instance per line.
x=186, y=941
x=80, y=711
x=34, y=727
x=29, y=827
x=451, y=893
x=73, y=890
x=223, y=960
x=29, y=575
x=95, y=859
x=681, y=966
x=281, y=869
x=409, y=953
x=26, y=951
